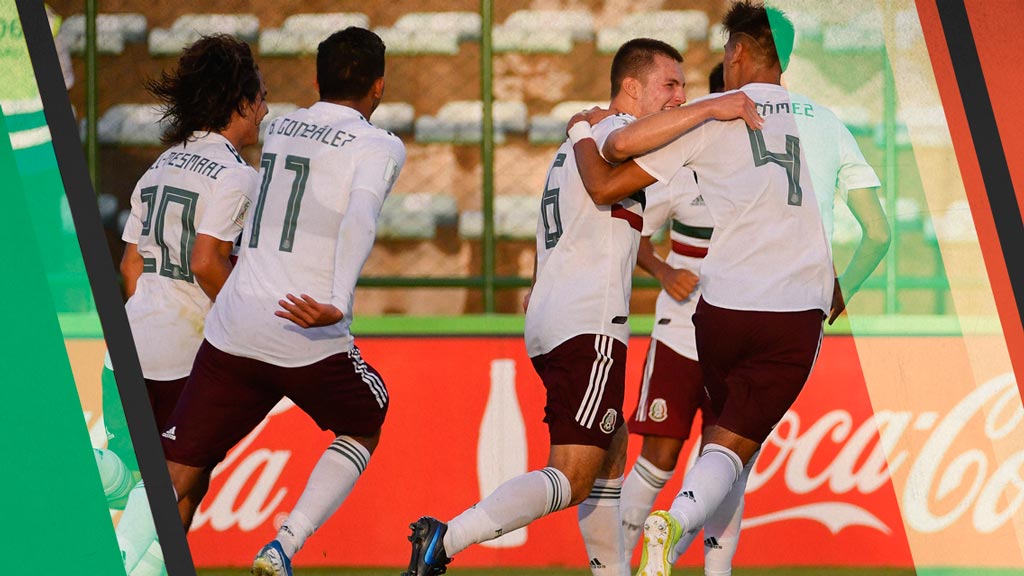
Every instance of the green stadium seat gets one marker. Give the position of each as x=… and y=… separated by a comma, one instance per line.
x=188, y=28
x=130, y=125
x=395, y=117
x=302, y=33
x=675, y=27
x=112, y=31
x=466, y=25
x=515, y=218
x=461, y=122
x=550, y=128
x=415, y=216
x=543, y=31
x=439, y=33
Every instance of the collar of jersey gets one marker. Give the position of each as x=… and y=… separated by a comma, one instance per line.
x=340, y=109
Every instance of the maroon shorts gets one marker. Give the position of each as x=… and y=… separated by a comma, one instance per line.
x=755, y=363
x=227, y=396
x=585, y=378
x=671, y=393
x=163, y=397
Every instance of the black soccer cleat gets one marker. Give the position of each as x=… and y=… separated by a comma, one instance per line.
x=428, y=554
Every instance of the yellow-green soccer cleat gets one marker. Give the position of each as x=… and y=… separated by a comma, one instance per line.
x=661, y=532
x=272, y=561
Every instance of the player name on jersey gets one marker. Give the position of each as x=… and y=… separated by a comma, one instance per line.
x=298, y=129
x=795, y=108
x=193, y=163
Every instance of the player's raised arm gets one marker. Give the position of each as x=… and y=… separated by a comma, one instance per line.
x=659, y=129
x=605, y=183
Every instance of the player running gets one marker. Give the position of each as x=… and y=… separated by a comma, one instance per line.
x=576, y=335
x=280, y=326
x=186, y=214
x=767, y=279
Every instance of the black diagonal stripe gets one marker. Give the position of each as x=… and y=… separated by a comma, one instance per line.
x=987, y=144
x=354, y=451
x=350, y=452
x=67, y=148
x=556, y=498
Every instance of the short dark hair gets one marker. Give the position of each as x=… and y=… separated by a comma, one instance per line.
x=635, y=57
x=716, y=79
x=214, y=77
x=348, y=62
x=768, y=26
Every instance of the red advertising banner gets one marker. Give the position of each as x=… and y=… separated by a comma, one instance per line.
x=820, y=494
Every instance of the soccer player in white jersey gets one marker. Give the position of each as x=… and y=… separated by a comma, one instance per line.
x=576, y=335
x=767, y=281
x=280, y=326
x=186, y=214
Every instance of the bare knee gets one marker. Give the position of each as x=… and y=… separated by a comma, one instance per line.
x=580, y=464
x=662, y=451
x=368, y=442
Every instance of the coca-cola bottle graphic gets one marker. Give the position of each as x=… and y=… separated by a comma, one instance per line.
x=501, y=450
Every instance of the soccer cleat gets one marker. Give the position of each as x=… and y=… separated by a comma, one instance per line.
x=272, y=561
x=428, y=554
x=661, y=532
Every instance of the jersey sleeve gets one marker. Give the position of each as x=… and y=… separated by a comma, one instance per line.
x=226, y=208
x=664, y=162
x=605, y=127
x=658, y=208
x=378, y=164
x=133, y=227
x=854, y=170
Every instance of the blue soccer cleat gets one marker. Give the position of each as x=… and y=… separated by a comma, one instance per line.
x=428, y=554
x=272, y=561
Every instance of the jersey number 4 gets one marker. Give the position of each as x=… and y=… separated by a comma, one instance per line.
x=549, y=208
x=300, y=166
x=790, y=161
x=155, y=224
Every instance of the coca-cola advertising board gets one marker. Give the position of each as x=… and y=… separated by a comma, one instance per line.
x=466, y=414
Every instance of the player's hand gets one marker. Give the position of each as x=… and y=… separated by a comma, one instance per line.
x=736, y=105
x=307, y=312
x=838, y=303
x=679, y=283
x=591, y=116
x=526, y=300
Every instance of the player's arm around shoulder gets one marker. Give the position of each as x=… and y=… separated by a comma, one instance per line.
x=606, y=184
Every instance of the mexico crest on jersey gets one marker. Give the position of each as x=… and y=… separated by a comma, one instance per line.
x=608, y=422
x=659, y=410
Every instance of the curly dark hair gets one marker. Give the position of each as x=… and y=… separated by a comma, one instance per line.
x=635, y=58
x=348, y=62
x=215, y=76
x=768, y=26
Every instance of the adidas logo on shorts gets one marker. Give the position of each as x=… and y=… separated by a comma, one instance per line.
x=169, y=434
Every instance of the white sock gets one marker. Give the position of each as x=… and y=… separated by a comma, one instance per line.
x=601, y=527
x=722, y=530
x=512, y=505
x=152, y=562
x=116, y=477
x=135, y=530
x=705, y=486
x=641, y=488
x=329, y=484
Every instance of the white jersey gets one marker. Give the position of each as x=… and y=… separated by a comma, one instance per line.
x=202, y=187
x=313, y=160
x=833, y=157
x=770, y=250
x=585, y=256
x=681, y=205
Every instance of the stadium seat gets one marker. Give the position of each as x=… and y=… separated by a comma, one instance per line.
x=430, y=32
x=460, y=122
x=863, y=34
x=543, y=31
x=395, y=117
x=130, y=125
x=302, y=33
x=515, y=218
x=550, y=128
x=673, y=27
x=112, y=31
x=188, y=28
x=415, y=216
